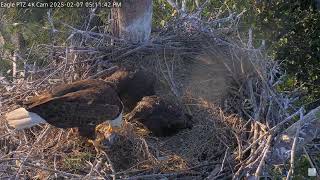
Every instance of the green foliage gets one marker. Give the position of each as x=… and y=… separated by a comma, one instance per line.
x=296, y=37
x=300, y=50
x=4, y=66
x=300, y=172
x=33, y=24
x=301, y=169
x=162, y=13
x=277, y=172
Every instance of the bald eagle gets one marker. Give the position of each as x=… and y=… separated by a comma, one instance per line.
x=132, y=85
x=159, y=116
x=83, y=104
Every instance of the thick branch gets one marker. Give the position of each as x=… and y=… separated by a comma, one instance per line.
x=309, y=130
x=133, y=21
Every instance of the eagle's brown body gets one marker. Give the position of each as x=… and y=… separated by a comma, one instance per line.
x=83, y=104
x=159, y=116
x=132, y=86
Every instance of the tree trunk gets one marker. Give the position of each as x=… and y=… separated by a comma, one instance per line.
x=309, y=129
x=132, y=22
x=317, y=4
x=14, y=64
x=18, y=41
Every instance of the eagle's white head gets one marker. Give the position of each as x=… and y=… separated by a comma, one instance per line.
x=117, y=122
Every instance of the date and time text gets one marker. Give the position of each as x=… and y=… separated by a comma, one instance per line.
x=62, y=4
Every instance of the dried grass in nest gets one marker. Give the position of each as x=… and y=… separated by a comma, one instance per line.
x=128, y=149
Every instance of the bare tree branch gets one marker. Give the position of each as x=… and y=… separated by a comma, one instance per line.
x=310, y=125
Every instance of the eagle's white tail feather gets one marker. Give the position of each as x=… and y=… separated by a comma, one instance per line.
x=21, y=119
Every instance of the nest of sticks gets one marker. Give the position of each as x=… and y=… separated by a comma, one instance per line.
x=228, y=86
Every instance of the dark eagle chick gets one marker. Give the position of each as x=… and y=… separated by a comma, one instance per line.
x=160, y=117
x=132, y=86
x=83, y=104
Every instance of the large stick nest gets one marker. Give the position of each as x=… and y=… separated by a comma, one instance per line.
x=228, y=87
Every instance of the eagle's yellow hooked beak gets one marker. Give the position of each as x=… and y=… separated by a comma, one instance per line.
x=104, y=131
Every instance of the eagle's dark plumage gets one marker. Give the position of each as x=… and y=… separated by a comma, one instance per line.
x=83, y=104
x=160, y=117
x=132, y=86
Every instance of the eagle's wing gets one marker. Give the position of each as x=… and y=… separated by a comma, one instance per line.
x=63, y=90
x=75, y=86
x=84, y=107
x=36, y=99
